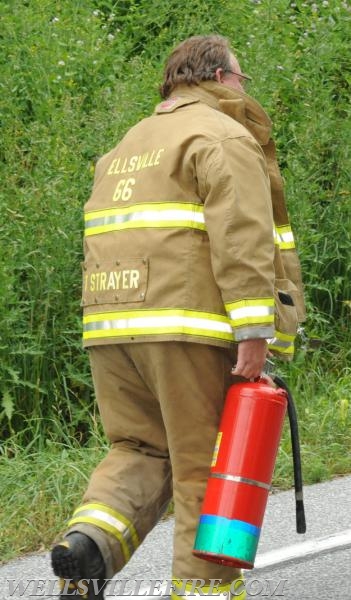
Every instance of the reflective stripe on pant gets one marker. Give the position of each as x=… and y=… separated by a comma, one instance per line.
x=158, y=401
x=197, y=588
x=111, y=522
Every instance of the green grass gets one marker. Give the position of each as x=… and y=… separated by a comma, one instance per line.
x=323, y=403
x=40, y=489
x=75, y=76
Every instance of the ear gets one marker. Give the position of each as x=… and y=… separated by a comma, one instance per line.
x=219, y=75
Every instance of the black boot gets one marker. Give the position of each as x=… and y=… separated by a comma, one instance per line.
x=78, y=563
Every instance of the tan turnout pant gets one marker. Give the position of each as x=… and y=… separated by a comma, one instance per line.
x=160, y=405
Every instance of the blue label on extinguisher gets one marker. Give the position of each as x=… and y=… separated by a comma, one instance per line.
x=227, y=537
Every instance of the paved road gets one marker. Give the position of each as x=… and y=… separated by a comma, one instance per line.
x=322, y=574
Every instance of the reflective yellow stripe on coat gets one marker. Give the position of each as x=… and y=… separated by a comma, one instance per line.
x=284, y=237
x=156, y=322
x=251, y=312
x=165, y=214
x=112, y=522
x=282, y=342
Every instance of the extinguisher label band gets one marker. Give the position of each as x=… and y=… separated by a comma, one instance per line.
x=239, y=479
x=230, y=524
x=216, y=448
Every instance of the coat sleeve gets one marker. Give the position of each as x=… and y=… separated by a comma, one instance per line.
x=234, y=185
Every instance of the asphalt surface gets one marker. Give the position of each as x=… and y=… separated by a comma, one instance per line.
x=315, y=571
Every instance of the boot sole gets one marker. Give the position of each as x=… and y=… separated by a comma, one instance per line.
x=66, y=566
x=64, y=563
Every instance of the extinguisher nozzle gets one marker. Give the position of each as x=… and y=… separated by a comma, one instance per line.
x=300, y=517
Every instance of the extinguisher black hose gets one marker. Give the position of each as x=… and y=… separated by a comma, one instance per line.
x=295, y=444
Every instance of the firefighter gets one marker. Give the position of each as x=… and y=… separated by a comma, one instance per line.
x=186, y=237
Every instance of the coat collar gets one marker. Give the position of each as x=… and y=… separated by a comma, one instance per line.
x=238, y=105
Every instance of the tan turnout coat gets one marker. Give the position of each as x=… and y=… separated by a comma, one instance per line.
x=187, y=235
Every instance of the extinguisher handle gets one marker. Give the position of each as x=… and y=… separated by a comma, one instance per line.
x=295, y=444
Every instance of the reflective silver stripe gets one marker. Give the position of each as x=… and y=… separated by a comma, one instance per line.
x=164, y=215
x=107, y=519
x=277, y=342
x=286, y=236
x=248, y=312
x=282, y=342
x=283, y=236
x=253, y=331
x=142, y=323
x=238, y=479
x=103, y=516
x=167, y=214
x=157, y=322
x=252, y=311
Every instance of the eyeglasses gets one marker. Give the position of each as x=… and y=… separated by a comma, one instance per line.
x=240, y=75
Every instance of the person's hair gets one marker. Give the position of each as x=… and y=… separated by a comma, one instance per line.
x=194, y=60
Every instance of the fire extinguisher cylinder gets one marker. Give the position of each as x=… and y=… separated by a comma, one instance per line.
x=241, y=474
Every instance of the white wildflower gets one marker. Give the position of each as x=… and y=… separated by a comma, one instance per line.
x=110, y=37
x=61, y=63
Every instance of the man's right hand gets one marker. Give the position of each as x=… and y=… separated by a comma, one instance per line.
x=251, y=358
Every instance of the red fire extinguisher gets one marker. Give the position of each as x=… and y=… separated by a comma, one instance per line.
x=241, y=473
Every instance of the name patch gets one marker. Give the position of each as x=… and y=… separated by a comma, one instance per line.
x=122, y=280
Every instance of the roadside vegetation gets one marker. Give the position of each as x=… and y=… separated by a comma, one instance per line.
x=75, y=76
